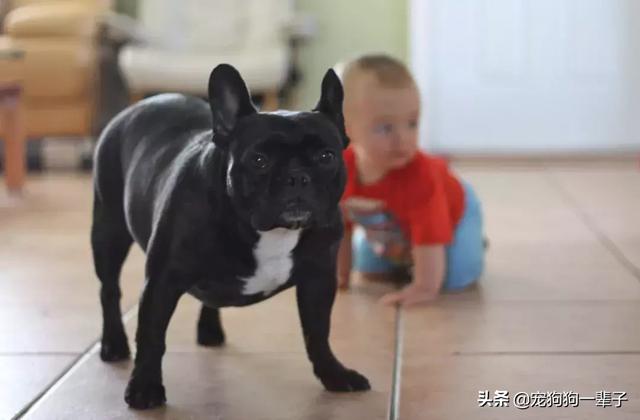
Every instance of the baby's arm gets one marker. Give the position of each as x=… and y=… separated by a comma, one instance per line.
x=344, y=260
x=429, y=270
x=430, y=263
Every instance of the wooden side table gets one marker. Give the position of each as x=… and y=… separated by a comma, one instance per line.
x=12, y=122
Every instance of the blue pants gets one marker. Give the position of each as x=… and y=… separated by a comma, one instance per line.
x=465, y=253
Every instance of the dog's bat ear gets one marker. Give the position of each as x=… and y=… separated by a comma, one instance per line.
x=330, y=103
x=229, y=99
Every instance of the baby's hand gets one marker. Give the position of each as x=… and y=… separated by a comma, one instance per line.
x=411, y=295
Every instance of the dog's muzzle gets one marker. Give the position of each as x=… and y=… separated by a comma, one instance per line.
x=295, y=215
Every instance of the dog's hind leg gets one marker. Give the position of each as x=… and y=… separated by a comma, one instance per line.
x=210, y=332
x=110, y=241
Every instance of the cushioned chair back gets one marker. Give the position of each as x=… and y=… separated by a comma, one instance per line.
x=99, y=4
x=213, y=25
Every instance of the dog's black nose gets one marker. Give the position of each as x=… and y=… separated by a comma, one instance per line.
x=299, y=180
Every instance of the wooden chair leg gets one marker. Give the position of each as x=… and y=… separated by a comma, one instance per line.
x=270, y=102
x=14, y=136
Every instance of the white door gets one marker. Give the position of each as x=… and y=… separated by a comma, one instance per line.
x=517, y=76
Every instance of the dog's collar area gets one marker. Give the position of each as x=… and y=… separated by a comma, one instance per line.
x=272, y=254
x=229, y=184
x=280, y=229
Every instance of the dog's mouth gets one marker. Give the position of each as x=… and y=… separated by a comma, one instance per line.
x=296, y=214
x=292, y=218
x=295, y=218
x=293, y=214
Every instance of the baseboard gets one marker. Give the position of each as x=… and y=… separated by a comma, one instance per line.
x=56, y=154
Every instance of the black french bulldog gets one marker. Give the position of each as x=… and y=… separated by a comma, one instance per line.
x=231, y=206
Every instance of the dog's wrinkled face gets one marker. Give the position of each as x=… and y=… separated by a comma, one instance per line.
x=285, y=169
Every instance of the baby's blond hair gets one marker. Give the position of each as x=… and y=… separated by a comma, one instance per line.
x=388, y=71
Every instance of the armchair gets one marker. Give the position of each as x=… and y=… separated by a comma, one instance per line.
x=60, y=76
x=184, y=40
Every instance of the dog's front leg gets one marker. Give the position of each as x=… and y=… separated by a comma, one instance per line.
x=315, y=295
x=159, y=300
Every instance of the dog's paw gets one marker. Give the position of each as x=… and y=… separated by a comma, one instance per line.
x=114, y=348
x=210, y=337
x=142, y=396
x=344, y=380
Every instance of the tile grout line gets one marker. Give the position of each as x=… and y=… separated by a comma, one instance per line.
x=56, y=381
x=604, y=240
x=39, y=353
x=394, y=398
x=548, y=353
x=68, y=371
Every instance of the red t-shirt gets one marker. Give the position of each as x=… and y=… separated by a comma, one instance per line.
x=424, y=196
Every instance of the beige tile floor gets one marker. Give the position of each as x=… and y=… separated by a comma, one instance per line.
x=557, y=310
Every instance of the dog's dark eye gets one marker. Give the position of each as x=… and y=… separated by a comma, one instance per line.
x=260, y=161
x=326, y=156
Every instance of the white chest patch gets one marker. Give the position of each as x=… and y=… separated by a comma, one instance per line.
x=273, y=260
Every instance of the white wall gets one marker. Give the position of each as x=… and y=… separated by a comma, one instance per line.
x=519, y=76
x=347, y=28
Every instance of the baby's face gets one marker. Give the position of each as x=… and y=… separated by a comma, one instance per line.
x=383, y=124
